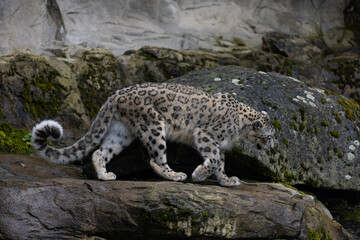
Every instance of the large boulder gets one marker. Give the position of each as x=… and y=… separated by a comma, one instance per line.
x=318, y=132
x=40, y=200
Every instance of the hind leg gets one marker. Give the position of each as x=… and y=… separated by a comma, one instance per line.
x=117, y=139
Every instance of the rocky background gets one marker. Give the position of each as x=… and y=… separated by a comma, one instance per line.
x=298, y=60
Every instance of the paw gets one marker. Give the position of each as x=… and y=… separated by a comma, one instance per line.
x=197, y=177
x=107, y=176
x=178, y=176
x=230, y=182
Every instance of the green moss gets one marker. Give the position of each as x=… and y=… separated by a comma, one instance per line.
x=276, y=124
x=336, y=150
x=320, y=234
x=335, y=134
x=325, y=123
x=2, y=116
x=302, y=113
x=294, y=126
x=269, y=104
x=266, y=88
x=320, y=160
x=288, y=177
x=327, y=92
x=353, y=214
x=16, y=141
x=292, y=187
x=41, y=93
x=302, y=126
x=316, y=129
x=337, y=118
x=286, y=142
x=99, y=74
x=351, y=108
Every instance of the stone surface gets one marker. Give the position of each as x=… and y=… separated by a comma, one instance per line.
x=80, y=84
x=51, y=26
x=309, y=59
x=43, y=201
x=318, y=133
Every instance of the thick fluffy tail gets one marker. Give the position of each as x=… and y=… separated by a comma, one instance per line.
x=42, y=131
x=81, y=148
x=39, y=135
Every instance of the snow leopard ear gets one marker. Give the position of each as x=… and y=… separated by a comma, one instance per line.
x=257, y=125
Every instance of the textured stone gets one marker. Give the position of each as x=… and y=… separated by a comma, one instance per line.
x=51, y=202
x=52, y=26
x=307, y=150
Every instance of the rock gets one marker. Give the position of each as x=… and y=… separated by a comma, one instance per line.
x=52, y=202
x=294, y=47
x=352, y=18
x=309, y=59
x=49, y=27
x=317, y=140
x=70, y=90
x=78, y=88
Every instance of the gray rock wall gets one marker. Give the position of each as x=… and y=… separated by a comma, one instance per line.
x=47, y=26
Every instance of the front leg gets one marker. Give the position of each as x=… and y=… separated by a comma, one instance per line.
x=153, y=138
x=221, y=176
x=209, y=150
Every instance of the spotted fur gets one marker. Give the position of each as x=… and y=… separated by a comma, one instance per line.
x=155, y=113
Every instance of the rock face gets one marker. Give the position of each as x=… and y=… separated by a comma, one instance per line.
x=72, y=90
x=50, y=26
x=318, y=141
x=310, y=60
x=43, y=201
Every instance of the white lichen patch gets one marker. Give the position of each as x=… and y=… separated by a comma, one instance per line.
x=296, y=80
x=320, y=90
x=308, y=100
x=217, y=79
x=312, y=104
x=301, y=99
x=234, y=93
x=235, y=81
x=311, y=97
x=352, y=147
x=350, y=156
x=261, y=72
x=357, y=143
x=347, y=177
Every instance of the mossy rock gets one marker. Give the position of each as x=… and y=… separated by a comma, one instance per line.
x=305, y=127
x=15, y=141
x=99, y=74
x=40, y=92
